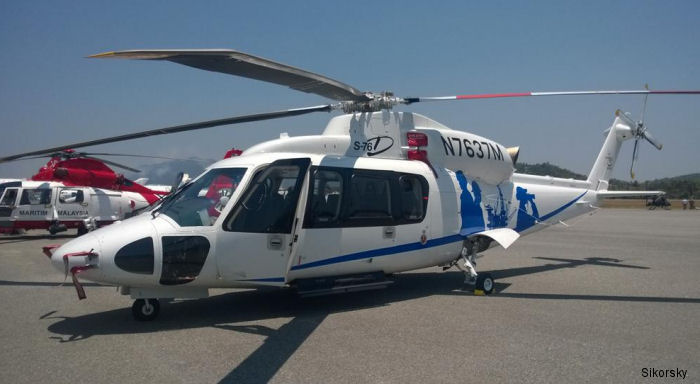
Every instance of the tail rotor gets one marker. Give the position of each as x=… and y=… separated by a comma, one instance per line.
x=640, y=131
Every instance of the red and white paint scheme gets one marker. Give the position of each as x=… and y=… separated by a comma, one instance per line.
x=73, y=192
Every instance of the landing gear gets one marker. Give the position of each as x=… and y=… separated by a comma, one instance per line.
x=145, y=309
x=483, y=282
x=57, y=227
x=82, y=230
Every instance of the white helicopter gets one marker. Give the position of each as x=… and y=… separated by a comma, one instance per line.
x=378, y=192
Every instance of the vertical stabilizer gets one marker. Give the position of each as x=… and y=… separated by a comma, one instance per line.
x=605, y=162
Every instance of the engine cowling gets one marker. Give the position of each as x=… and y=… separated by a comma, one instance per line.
x=481, y=158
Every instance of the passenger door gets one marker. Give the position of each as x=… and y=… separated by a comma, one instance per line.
x=71, y=204
x=370, y=228
x=357, y=219
x=35, y=204
x=257, y=237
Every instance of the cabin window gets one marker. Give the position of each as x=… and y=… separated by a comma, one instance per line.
x=325, y=199
x=35, y=197
x=269, y=204
x=136, y=257
x=9, y=198
x=201, y=202
x=183, y=258
x=370, y=197
x=412, y=198
x=365, y=198
x=71, y=196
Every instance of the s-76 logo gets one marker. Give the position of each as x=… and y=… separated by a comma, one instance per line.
x=374, y=145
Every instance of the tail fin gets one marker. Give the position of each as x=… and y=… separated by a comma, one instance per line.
x=605, y=162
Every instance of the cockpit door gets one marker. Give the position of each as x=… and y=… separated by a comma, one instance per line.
x=8, y=201
x=258, y=234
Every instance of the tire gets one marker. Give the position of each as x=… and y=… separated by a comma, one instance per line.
x=82, y=230
x=145, y=309
x=485, y=283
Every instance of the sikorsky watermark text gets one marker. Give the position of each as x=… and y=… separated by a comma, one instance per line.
x=656, y=373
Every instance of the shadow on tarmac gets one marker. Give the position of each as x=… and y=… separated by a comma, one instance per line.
x=226, y=311
x=22, y=238
x=67, y=284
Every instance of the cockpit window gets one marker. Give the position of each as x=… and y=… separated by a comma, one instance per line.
x=9, y=198
x=200, y=203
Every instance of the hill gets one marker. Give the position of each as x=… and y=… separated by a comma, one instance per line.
x=165, y=172
x=547, y=169
x=677, y=187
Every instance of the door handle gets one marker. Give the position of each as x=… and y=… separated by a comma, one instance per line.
x=389, y=232
x=274, y=242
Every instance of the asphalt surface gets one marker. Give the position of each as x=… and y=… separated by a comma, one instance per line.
x=595, y=302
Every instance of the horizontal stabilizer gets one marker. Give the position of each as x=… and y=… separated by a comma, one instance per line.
x=607, y=194
x=503, y=236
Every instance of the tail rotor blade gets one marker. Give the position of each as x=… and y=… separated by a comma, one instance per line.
x=652, y=140
x=635, y=154
x=644, y=107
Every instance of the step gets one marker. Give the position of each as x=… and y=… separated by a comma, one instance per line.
x=331, y=285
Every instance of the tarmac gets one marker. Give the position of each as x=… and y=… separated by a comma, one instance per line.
x=598, y=301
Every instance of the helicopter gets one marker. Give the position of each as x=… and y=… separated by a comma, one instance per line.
x=378, y=192
x=74, y=190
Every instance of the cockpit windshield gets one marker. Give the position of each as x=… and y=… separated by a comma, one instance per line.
x=200, y=203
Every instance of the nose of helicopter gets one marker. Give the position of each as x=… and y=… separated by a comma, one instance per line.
x=78, y=252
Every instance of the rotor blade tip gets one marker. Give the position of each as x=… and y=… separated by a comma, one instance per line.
x=101, y=55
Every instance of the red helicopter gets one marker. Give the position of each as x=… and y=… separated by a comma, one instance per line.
x=74, y=190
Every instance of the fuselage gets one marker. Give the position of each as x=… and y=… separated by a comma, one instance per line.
x=322, y=215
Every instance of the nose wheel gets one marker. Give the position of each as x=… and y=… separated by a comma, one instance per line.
x=145, y=309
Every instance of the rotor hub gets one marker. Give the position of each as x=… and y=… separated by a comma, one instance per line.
x=377, y=102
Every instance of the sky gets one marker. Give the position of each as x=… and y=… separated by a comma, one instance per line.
x=51, y=94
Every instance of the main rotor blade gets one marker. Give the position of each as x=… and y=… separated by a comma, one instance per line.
x=114, y=164
x=127, y=155
x=246, y=65
x=178, y=128
x=410, y=100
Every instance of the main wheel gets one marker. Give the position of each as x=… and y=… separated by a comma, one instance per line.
x=145, y=309
x=82, y=230
x=484, y=282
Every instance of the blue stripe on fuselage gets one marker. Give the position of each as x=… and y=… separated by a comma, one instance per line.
x=413, y=246
x=381, y=252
